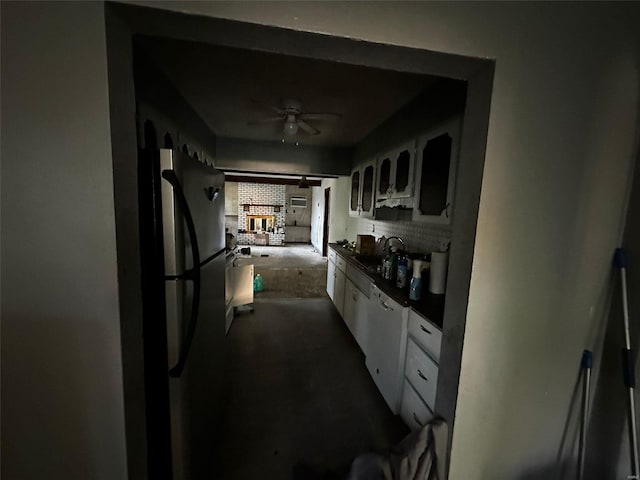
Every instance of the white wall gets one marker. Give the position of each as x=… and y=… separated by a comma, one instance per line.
x=338, y=214
x=561, y=139
x=62, y=397
x=317, y=216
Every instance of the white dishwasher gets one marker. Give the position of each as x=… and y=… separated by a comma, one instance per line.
x=386, y=343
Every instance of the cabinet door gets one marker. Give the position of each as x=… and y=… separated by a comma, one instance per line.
x=331, y=279
x=436, y=174
x=404, y=159
x=349, y=315
x=354, y=197
x=385, y=176
x=367, y=190
x=386, y=346
x=338, y=298
x=360, y=328
x=241, y=285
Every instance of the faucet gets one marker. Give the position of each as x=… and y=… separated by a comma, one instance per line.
x=384, y=248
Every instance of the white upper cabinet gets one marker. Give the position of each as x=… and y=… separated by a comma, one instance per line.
x=362, y=192
x=437, y=160
x=396, y=175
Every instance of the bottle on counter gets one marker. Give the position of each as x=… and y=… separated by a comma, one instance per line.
x=415, y=288
x=390, y=266
x=402, y=270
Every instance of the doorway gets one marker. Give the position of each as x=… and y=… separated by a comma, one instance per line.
x=124, y=22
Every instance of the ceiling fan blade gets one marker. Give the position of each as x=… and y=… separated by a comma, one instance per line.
x=266, y=120
x=307, y=128
x=273, y=108
x=319, y=116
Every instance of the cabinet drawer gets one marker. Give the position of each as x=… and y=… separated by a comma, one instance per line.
x=341, y=263
x=332, y=255
x=422, y=372
x=413, y=411
x=426, y=334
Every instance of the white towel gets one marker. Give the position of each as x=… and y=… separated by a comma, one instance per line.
x=420, y=456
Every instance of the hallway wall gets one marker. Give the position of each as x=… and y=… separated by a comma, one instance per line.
x=62, y=392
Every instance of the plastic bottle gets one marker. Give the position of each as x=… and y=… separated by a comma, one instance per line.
x=258, y=283
x=403, y=266
x=415, y=288
x=390, y=266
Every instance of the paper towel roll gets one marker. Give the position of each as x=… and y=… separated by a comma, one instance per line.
x=438, y=272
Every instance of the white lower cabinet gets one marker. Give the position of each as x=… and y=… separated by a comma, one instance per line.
x=420, y=371
x=338, y=297
x=355, y=313
x=331, y=279
x=414, y=411
x=386, y=345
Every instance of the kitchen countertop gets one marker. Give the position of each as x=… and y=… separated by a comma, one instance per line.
x=430, y=306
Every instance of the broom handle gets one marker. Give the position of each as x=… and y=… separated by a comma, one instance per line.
x=627, y=363
x=587, y=361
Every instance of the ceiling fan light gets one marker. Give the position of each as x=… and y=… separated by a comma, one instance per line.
x=303, y=182
x=290, y=128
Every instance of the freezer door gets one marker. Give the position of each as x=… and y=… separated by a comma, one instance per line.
x=196, y=396
x=203, y=189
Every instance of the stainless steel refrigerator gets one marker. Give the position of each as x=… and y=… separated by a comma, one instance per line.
x=183, y=270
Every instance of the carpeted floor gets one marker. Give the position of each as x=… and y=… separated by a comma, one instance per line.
x=290, y=271
x=301, y=403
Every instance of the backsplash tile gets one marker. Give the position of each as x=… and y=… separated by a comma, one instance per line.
x=418, y=237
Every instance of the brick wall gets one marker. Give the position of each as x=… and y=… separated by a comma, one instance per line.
x=254, y=193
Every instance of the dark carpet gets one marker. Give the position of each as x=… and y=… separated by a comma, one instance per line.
x=300, y=401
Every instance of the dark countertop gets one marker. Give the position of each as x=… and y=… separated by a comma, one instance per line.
x=430, y=306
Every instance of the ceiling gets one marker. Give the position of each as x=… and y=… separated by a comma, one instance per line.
x=231, y=87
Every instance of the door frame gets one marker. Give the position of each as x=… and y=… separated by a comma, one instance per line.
x=325, y=221
x=124, y=21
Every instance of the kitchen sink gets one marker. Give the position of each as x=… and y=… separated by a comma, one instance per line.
x=369, y=260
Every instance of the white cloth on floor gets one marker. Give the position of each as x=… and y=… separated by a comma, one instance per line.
x=421, y=455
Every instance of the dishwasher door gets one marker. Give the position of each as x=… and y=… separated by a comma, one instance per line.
x=386, y=344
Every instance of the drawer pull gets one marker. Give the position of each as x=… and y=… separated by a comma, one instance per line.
x=424, y=329
x=421, y=375
x=415, y=417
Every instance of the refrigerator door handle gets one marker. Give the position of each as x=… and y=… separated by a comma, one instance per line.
x=192, y=274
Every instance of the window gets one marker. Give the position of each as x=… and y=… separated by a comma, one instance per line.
x=298, y=201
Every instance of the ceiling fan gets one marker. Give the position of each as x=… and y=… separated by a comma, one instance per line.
x=292, y=117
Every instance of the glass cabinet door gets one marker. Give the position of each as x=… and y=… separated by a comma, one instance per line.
x=367, y=190
x=384, y=179
x=436, y=169
x=403, y=169
x=355, y=191
x=434, y=181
